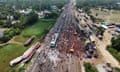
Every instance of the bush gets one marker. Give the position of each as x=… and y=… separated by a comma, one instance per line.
x=114, y=52
x=116, y=43
x=117, y=69
x=89, y=68
x=94, y=19
x=115, y=47
x=8, y=34
x=101, y=30
x=30, y=19
x=21, y=69
x=53, y=15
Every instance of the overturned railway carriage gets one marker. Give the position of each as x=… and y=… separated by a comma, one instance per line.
x=16, y=61
x=29, y=41
x=30, y=50
x=26, y=56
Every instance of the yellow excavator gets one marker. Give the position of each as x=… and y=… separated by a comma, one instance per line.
x=75, y=33
x=72, y=49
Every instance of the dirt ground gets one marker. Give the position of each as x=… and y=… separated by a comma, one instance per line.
x=101, y=46
x=112, y=16
x=104, y=55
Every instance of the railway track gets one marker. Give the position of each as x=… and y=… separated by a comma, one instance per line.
x=66, y=27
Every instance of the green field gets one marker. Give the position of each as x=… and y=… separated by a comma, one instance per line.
x=114, y=53
x=109, y=16
x=37, y=29
x=12, y=51
x=7, y=53
x=90, y=68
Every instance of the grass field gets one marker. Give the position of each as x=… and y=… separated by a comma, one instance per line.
x=37, y=29
x=90, y=68
x=12, y=51
x=7, y=53
x=114, y=53
x=109, y=16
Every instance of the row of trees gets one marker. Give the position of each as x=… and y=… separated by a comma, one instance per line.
x=36, y=4
x=29, y=19
x=116, y=43
x=52, y=15
x=24, y=20
x=114, y=48
x=15, y=29
x=110, y=4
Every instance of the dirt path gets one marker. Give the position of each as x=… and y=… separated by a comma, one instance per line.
x=3, y=29
x=101, y=45
x=14, y=42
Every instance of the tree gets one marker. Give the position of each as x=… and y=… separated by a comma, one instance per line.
x=8, y=34
x=89, y=68
x=29, y=19
x=101, y=30
x=32, y=18
x=12, y=70
x=92, y=18
x=21, y=69
x=52, y=15
x=117, y=69
x=87, y=10
x=16, y=15
x=116, y=43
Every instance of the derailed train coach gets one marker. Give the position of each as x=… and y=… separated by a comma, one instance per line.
x=26, y=56
x=29, y=41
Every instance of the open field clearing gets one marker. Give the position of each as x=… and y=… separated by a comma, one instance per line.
x=109, y=16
